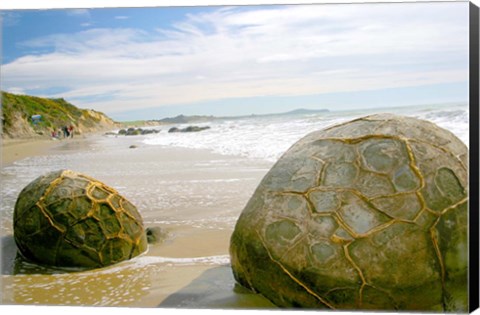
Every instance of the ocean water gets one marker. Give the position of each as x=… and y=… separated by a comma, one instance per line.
x=268, y=137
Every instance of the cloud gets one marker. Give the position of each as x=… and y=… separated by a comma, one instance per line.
x=16, y=90
x=121, y=17
x=248, y=52
x=78, y=12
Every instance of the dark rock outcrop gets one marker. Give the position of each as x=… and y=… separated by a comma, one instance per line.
x=188, y=129
x=137, y=131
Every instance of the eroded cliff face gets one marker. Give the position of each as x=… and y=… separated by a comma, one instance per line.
x=18, y=127
x=17, y=112
x=93, y=121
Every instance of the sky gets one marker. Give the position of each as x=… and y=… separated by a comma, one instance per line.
x=150, y=63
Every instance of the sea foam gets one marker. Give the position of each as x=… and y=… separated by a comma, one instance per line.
x=268, y=137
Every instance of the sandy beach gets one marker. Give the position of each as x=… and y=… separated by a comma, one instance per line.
x=194, y=195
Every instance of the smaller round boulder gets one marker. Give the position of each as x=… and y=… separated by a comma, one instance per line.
x=67, y=219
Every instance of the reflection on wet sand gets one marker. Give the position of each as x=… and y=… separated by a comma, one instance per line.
x=119, y=285
x=216, y=288
x=89, y=288
x=145, y=281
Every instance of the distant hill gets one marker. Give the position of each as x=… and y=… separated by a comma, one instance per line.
x=182, y=119
x=17, y=112
x=303, y=111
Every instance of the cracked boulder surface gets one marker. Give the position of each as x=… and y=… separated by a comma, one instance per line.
x=67, y=219
x=370, y=214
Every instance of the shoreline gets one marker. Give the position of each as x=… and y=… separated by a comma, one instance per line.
x=13, y=150
x=17, y=149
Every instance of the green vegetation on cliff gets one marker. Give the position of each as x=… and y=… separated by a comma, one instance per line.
x=17, y=112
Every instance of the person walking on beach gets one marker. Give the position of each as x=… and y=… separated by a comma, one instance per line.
x=66, y=134
x=70, y=130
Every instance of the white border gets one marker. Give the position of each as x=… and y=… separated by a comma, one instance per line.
x=56, y=4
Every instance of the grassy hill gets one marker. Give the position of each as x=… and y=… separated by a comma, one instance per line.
x=17, y=112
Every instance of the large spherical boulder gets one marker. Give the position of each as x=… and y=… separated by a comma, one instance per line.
x=67, y=219
x=368, y=214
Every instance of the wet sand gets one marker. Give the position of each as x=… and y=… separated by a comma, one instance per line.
x=195, y=196
x=13, y=150
x=18, y=149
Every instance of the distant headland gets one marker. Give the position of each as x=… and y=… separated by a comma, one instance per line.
x=182, y=119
